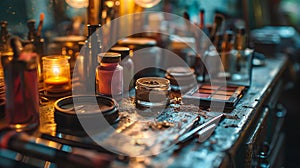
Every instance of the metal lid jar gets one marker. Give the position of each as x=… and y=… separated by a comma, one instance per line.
x=109, y=75
x=152, y=92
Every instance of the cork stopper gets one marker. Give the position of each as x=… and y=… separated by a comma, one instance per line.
x=109, y=57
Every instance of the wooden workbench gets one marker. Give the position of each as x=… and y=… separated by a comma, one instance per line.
x=250, y=135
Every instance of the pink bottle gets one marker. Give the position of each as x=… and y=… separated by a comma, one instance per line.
x=109, y=75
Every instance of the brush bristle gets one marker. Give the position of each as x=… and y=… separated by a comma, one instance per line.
x=42, y=16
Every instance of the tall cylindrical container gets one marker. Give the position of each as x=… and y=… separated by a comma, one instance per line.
x=21, y=81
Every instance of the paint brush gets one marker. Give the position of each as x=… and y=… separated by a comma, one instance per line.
x=201, y=16
x=40, y=26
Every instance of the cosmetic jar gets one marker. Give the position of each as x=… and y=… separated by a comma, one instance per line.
x=109, y=75
x=72, y=112
x=182, y=79
x=152, y=92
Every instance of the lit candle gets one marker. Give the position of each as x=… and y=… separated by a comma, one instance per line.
x=57, y=81
x=56, y=70
x=58, y=78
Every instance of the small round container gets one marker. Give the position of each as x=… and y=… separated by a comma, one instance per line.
x=152, y=92
x=87, y=112
x=181, y=78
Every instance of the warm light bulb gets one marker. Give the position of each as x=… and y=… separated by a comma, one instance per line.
x=147, y=3
x=78, y=3
x=109, y=4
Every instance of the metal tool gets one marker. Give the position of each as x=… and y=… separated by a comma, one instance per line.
x=203, y=131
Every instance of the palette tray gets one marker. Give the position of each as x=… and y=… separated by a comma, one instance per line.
x=206, y=95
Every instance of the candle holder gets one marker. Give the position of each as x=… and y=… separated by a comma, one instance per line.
x=56, y=71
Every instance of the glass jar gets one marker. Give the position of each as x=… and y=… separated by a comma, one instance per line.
x=128, y=67
x=56, y=73
x=182, y=79
x=109, y=75
x=241, y=65
x=152, y=92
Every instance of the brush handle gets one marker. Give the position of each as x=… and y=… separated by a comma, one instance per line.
x=26, y=145
x=40, y=26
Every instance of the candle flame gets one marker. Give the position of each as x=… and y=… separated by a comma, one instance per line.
x=56, y=71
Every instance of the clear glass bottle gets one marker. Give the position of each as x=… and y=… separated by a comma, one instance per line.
x=128, y=67
x=92, y=47
x=226, y=49
x=241, y=58
x=109, y=75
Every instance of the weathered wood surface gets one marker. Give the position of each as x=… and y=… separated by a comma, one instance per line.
x=229, y=135
x=220, y=149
